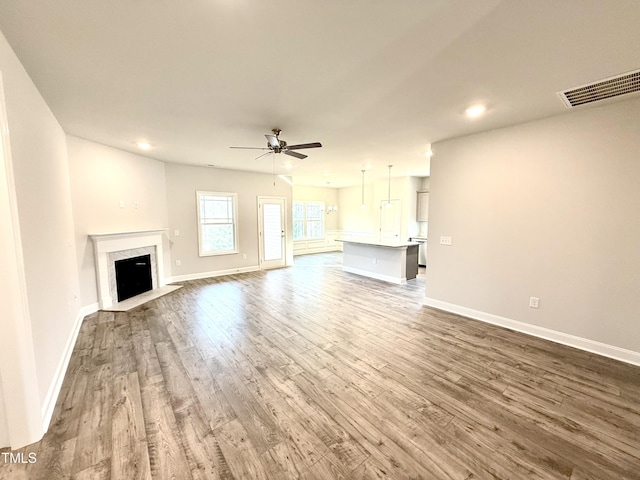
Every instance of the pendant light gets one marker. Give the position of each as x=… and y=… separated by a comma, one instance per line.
x=362, y=205
x=389, y=194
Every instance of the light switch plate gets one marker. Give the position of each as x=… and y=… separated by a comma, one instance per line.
x=445, y=241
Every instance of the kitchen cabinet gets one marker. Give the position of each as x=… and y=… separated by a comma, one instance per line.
x=423, y=207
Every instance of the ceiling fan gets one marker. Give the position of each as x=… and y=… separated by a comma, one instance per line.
x=275, y=145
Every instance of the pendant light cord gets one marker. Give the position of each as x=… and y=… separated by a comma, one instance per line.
x=389, y=192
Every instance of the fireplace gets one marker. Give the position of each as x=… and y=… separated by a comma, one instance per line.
x=133, y=276
x=128, y=247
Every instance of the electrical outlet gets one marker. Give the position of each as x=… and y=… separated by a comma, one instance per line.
x=135, y=204
x=178, y=263
x=375, y=261
x=534, y=302
x=121, y=203
x=176, y=233
x=445, y=241
x=244, y=256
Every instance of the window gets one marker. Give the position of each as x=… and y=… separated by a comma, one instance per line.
x=217, y=227
x=308, y=220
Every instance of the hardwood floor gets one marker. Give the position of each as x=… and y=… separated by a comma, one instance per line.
x=312, y=373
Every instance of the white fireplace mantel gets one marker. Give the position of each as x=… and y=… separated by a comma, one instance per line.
x=105, y=243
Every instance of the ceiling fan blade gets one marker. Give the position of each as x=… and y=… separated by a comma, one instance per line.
x=273, y=140
x=267, y=153
x=252, y=148
x=304, y=145
x=295, y=154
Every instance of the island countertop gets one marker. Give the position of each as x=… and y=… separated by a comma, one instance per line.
x=365, y=241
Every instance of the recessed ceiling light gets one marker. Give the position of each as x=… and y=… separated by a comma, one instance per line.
x=287, y=166
x=428, y=153
x=475, y=111
x=326, y=174
x=143, y=145
x=368, y=166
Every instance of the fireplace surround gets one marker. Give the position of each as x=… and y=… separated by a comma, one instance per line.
x=112, y=247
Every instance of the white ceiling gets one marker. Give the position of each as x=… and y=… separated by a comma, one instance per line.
x=375, y=81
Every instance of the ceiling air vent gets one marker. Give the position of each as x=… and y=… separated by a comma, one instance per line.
x=624, y=84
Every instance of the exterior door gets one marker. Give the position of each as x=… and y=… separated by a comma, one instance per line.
x=390, y=221
x=271, y=212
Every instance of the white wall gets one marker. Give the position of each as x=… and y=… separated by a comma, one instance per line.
x=101, y=177
x=547, y=209
x=20, y=415
x=182, y=183
x=5, y=439
x=38, y=147
x=352, y=218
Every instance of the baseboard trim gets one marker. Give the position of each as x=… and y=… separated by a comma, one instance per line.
x=308, y=251
x=50, y=400
x=211, y=274
x=611, y=351
x=378, y=276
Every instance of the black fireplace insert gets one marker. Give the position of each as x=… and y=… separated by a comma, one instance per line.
x=133, y=276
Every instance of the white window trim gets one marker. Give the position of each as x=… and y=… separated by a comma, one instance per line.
x=234, y=196
x=306, y=238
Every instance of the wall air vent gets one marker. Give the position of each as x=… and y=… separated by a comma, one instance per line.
x=624, y=84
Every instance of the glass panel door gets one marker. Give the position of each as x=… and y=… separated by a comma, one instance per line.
x=272, y=232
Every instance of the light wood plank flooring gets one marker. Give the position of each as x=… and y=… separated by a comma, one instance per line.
x=312, y=373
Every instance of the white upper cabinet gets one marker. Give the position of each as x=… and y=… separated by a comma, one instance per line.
x=423, y=207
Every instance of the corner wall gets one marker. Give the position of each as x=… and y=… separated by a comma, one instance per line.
x=102, y=177
x=547, y=209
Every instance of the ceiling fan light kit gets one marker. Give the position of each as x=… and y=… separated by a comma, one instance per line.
x=275, y=145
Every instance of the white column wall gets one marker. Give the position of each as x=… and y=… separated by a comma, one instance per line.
x=45, y=327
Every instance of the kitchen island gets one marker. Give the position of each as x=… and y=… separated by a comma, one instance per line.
x=391, y=262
